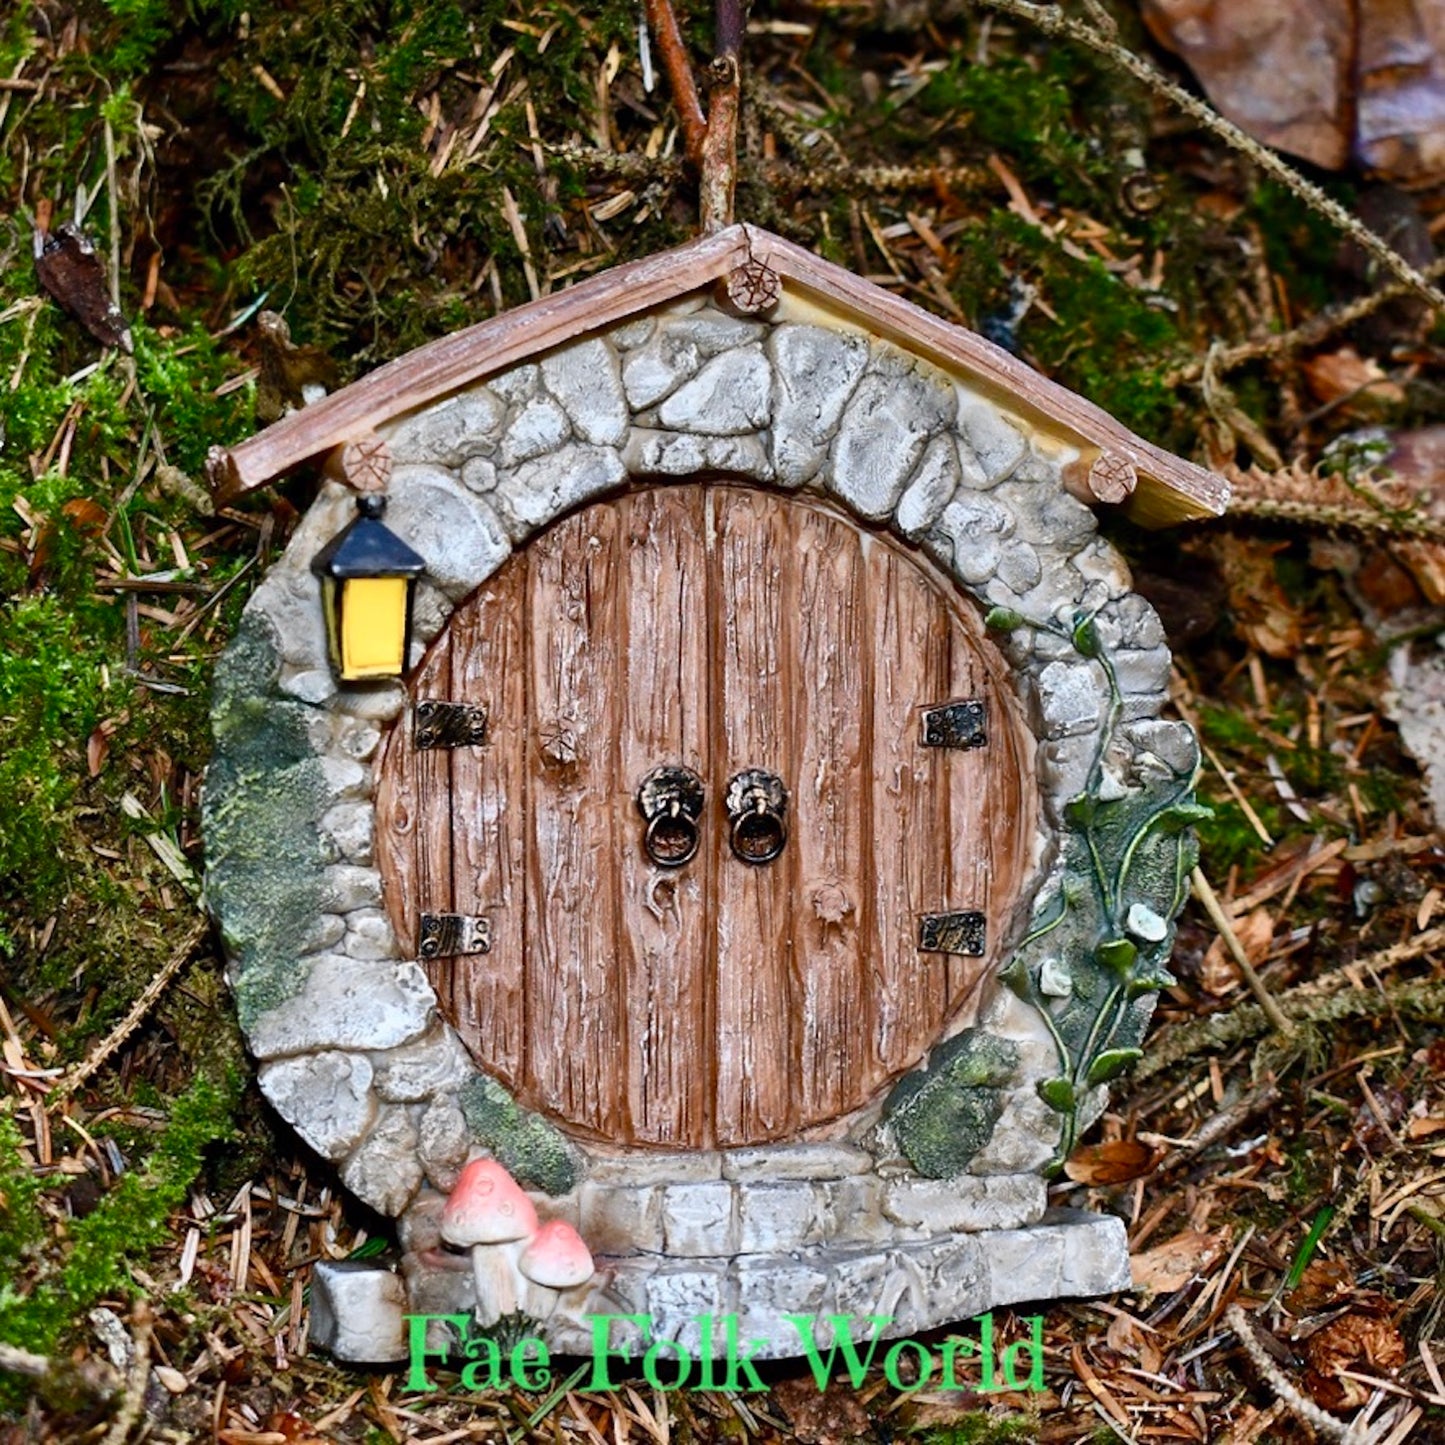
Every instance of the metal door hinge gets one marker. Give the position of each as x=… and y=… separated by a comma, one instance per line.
x=955, y=725
x=952, y=933
x=441, y=724
x=448, y=935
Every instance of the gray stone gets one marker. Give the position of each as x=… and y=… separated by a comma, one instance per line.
x=290, y=597
x=383, y=1170
x=443, y=1142
x=518, y=383
x=351, y=826
x=431, y=609
x=795, y=1161
x=632, y=333
x=768, y=1291
x=677, y=454
x=647, y=1166
x=1130, y=622
x=1139, y=672
x=621, y=1221
x=677, y=1298
x=1018, y=566
x=656, y=370
x=449, y=432
x=998, y=445
x=342, y=1003
x=948, y=1276
x=1171, y=744
x=966, y=1205
x=816, y=371
x=538, y=427
x=369, y=935
x=479, y=475
x=930, y=488
x=1069, y=1253
x=586, y=380
x=325, y=1097
x=439, y=1285
x=348, y=886
x=358, y=1312
x=1047, y=515
x=325, y=932
x=1141, y=705
x=898, y=407
x=457, y=532
x=854, y=1213
x=539, y=490
x=969, y=533
x=1071, y=698
x=697, y=1220
x=345, y=779
x=772, y=1218
x=377, y=702
x=1097, y=561
x=713, y=331
x=864, y=1284
x=434, y=1064
x=1024, y=1140
x=1064, y=766
x=730, y=396
x=419, y=1226
x=353, y=737
x=313, y=685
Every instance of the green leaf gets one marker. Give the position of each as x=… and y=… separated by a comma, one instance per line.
x=1002, y=619
x=1181, y=816
x=1086, y=635
x=1016, y=977
x=1058, y=1094
x=1111, y=1063
x=1117, y=954
x=1151, y=982
x=1081, y=810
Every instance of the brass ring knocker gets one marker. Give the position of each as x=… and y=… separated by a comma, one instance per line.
x=757, y=804
x=671, y=800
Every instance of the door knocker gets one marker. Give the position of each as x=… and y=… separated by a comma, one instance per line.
x=757, y=802
x=671, y=800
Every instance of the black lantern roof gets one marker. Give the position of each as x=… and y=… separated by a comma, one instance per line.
x=367, y=548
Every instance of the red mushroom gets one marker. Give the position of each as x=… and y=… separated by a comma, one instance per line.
x=486, y=1212
x=555, y=1260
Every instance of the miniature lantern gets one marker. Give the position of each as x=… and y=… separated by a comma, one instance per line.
x=368, y=576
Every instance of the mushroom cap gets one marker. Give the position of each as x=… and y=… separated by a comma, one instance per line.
x=556, y=1257
x=487, y=1206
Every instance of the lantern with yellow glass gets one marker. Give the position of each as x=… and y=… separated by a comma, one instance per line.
x=368, y=576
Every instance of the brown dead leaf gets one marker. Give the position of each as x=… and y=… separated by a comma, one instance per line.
x=1263, y=616
x=67, y=266
x=1116, y=1162
x=1219, y=973
x=87, y=517
x=1322, y=79
x=97, y=749
x=1358, y=384
x=1362, y=1341
x=1324, y=1282
x=1425, y=1128
x=1171, y=1265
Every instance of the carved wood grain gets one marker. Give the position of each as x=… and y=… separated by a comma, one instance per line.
x=720, y=628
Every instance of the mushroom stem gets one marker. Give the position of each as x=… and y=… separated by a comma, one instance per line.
x=495, y=1274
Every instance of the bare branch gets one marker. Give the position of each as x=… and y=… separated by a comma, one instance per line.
x=663, y=23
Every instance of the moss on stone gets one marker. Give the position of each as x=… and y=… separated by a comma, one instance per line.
x=533, y=1151
x=265, y=794
x=943, y=1115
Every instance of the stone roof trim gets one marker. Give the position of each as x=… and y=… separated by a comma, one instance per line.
x=1169, y=488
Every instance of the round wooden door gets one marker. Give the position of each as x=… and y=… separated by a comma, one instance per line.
x=718, y=1002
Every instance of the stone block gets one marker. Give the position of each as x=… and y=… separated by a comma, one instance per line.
x=621, y=1220
x=443, y=1142
x=698, y=1220
x=677, y=1297
x=996, y=442
x=326, y=1097
x=930, y=488
x=448, y=432
x=1019, y=566
x=344, y=1003
x=351, y=826
x=325, y=931
x=769, y=1290
x=652, y=1167
x=383, y=1170
x=457, y=532
x=944, y=1279
x=1162, y=749
x=434, y=1064
x=854, y=1212
x=1142, y=672
x=866, y=1283
x=730, y=396
x=586, y=379
x=772, y=1218
x=1025, y=1138
x=972, y=529
x=656, y=370
x=966, y=1204
x=795, y=1161
x=358, y=1312
x=815, y=372
x=678, y=454
x=517, y=384
x=347, y=886
x=1071, y=698
x=534, y=493
x=538, y=427
x=369, y=935
x=378, y=702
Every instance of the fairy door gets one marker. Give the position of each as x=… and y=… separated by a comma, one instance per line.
x=707, y=812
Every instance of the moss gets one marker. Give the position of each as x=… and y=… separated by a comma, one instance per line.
x=265, y=794
x=525, y=1144
x=978, y=1427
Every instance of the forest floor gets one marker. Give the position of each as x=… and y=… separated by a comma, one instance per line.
x=381, y=174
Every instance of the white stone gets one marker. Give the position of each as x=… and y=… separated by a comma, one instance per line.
x=518, y=383
x=697, y=1220
x=1045, y=514
x=457, y=533
x=1023, y=1140
x=353, y=737
x=431, y=610
x=369, y=935
x=998, y=445
x=1097, y=561
x=1055, y=980
x=679, y=454
x=1070, y=698
x=344, y=778
x=1064, y=766
x=930, y=488
x=1144, y=924
x=621, y=1220
x=1130, y=622
x=965, y=1205
x=586, y=380
x=351, y=826
x=1172, y=744
x=347, y=886
x=632, y=333
x=1139, y=672
x=677, y=1299
x=898, y=406
x=346, y=1004
x=854, y=1210
x=712, y=331
x=770, y=1289
x=540, y=490
x=479, y=475
x=972, y=529
x=656, y=370
x=290, y=598
x=816, y=370
x=865, y=1284
x=384, y=1171
x=324, y=932
x=730, y=396
x=443, y=1142
x=313, y=686
x=1019, y=567
x=378, y=702
x=449, y=432
x=649, y=1166
x=325, y=1097
x=358, y=1312
x=1071, y=1253
x=775, y=1217
x=435, y=1064
x=796, y=1161
x=540, y=426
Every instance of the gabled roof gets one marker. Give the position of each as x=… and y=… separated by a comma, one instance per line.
x=1169, y=488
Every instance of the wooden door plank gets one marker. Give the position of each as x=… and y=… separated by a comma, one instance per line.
x=489, y=818
x=831, y=858
x=750, y=538
x=574, y=1026
x=397, y=848
x=909, y=806
x=433, y=805
x=663, y=941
